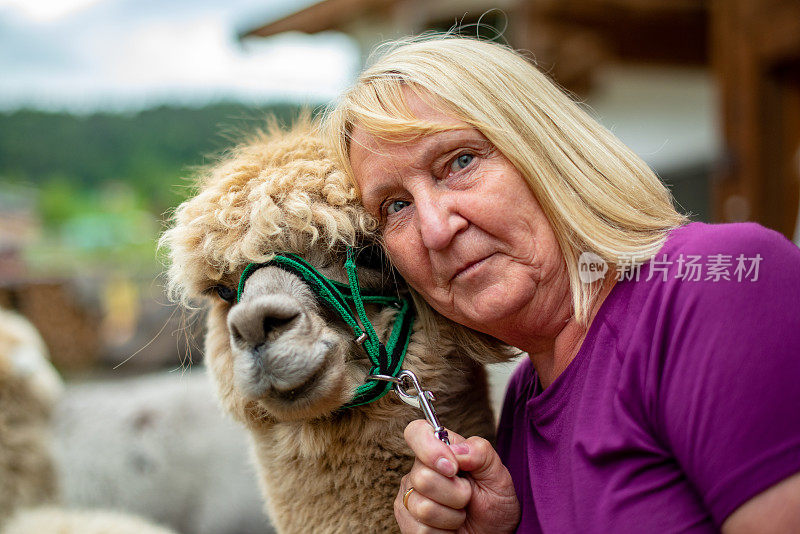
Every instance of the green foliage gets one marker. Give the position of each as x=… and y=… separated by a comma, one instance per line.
x=105, y=180
x=151, y=150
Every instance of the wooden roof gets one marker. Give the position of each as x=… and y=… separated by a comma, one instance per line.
x=322, y=16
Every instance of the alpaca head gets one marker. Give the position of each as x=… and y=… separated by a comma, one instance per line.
x=277, y=353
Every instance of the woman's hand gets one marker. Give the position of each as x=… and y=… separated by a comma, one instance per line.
x=481, y=500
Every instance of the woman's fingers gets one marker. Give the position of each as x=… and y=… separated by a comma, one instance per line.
x=478, y=457
x=429, y=450
x=434, y=472
x=451, y=492
x=493, y=505
x=416, y=512
x=483, y=501
x=438, y=500
x=409, y=525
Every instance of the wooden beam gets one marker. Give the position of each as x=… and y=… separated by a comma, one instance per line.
x=648, y=31
x=781, y=184
x=777, y=33
x=755, y=61
x=572, y=39
x=322, y=16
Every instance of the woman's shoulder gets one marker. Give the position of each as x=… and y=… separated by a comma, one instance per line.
x=705, y=259
x=712, y=288
x=718, y=353
x=743, y=237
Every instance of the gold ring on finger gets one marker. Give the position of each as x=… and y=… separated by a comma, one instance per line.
x=405, y=497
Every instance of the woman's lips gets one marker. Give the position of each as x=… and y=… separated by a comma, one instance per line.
x=469, y=267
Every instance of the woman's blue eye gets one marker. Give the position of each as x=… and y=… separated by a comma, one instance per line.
x=395, y=206
x=461, y=162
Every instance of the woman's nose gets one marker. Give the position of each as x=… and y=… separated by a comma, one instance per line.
x=439, y=221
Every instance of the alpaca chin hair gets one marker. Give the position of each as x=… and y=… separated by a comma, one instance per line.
x=294, y=384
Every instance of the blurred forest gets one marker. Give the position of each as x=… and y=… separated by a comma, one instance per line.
x=98, y=188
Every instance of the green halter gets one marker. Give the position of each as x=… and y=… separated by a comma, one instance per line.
x=386, y=359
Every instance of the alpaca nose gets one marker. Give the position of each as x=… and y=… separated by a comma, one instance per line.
x=252, y=323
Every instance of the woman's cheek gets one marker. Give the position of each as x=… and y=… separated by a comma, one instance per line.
x=397, y=236
x=398, y=254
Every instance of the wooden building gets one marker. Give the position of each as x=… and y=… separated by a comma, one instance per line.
x=751, y=47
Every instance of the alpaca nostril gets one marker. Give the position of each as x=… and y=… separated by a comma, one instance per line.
x=275, y=323
x=236, y=334
x=261, y=320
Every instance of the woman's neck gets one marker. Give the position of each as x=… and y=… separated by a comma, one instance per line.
x=552, y=358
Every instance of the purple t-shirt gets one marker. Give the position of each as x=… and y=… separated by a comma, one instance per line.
x=683, y=401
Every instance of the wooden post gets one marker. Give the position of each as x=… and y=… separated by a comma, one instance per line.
x=755, y=47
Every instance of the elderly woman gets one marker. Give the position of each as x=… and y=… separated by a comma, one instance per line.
x=661, y=389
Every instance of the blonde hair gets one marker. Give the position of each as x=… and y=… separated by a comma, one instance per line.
x=597, y=194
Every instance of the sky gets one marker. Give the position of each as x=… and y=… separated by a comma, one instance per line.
x=88, y=55
x=124, y=55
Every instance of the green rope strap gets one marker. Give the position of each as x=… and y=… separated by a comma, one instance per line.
x=386, y=359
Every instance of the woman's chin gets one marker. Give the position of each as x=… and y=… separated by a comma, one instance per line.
x=491, y=309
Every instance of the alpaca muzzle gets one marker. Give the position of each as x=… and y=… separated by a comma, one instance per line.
x=387, y=358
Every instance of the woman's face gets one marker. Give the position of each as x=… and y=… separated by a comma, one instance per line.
x=463, y=228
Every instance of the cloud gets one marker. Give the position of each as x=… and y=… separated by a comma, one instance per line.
x=46, y=10
x=129, y=54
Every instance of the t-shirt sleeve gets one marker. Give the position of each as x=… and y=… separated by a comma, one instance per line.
x=727, y=401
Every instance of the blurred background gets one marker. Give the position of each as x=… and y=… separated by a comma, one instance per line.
x=108, y=106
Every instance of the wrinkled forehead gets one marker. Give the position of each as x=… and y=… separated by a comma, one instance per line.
x=369, y=153
x=397, y=112
x=412, y=118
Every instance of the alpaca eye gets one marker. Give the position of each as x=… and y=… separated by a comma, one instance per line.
x=225, y=293
x=372, y=257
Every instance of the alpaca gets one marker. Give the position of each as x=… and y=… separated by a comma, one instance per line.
x=153, y=430
x=48, y=520
x=29, y=388
x=284, y=366
x=168, y=453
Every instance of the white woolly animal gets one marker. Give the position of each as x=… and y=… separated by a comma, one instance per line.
x=29, y=386
x=60, y=521
x=24, y=348
x=167, y=453
x=283, y=364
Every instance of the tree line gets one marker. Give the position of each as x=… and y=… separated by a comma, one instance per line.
x=152, y=152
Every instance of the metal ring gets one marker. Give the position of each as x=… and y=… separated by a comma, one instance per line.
x=405, y=381
x=405, y=498
x=399, y=388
